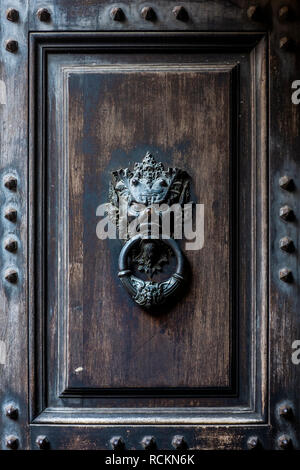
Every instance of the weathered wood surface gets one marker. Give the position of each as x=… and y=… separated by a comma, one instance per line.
x=13, y=160
x=283, y=324
x=120, y=116
x=110, y=346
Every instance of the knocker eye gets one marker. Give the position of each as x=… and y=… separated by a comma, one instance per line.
x=160, y=183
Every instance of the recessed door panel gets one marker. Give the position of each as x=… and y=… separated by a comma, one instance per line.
x=194, y=111
x=114, y=117
x=128, y=341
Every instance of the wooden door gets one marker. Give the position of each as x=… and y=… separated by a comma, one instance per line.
x=88, y=88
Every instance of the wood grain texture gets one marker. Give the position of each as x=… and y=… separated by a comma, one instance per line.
x=95, y=91
x=82, y=404
x=265, y=375
x=173, y=114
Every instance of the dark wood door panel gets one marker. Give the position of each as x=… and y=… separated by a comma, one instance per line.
x=101, y=112
x=115, y=117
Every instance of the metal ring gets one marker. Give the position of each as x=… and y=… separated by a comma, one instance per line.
x=149, y=293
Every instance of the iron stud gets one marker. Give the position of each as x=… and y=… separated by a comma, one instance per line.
x=43, y=15
x=12, y=15
x=11, y=215
x=286, y=244
x=284, y=442
x=285, y=275
x=148, y=443
x=286, y=213
x=284, y=13
x=11, y=412
x=117, y=443
x=11, y=276
x=285, y=182
x=117, y=14
x=11, y=45
x=178, y=442
x=148, y=14
x=180, y=13
x=285, y=43
x=10, y=182
x=12, y=442
x=254, y=13
x=11, y=245
x=286, y=411
x=42, y=442
x=253, y=443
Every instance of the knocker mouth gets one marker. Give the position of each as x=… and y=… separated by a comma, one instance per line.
x=151, y=229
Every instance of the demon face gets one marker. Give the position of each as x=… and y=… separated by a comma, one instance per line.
x=148, y=184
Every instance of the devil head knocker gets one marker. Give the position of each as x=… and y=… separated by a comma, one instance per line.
x=147, y=190
x=148, y=184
